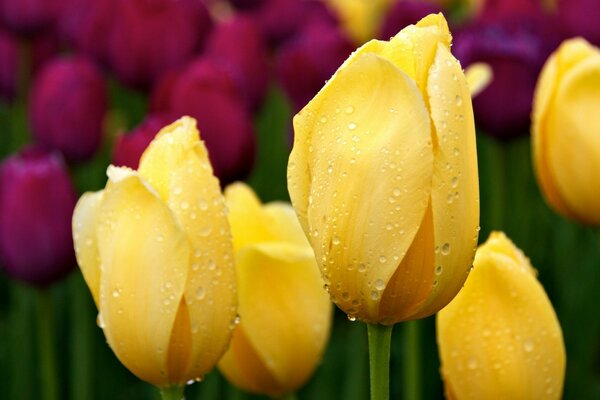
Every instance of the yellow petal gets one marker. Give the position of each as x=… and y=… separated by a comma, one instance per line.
x=145, y=258
x=176, y=164
x=85, y=221
x=479, y=76
x=574, y=143
x=359, y=177
x=360, y=19
x=455, y=193
x=283, y=223
x=285, y=313
x=500, y=338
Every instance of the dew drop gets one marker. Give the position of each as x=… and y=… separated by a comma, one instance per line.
x=345, y=296
x=446, y=249
x=382, y=259
x=379, y=284
x=349, y=110
x=351, y=318
x=185, y=205
x=454, y=182
x=472, y=363
x=351, y=126
x=528, y=345
x=374, y=294
x=458, y=100
x=336, y=240
x=200, y=293
x=438, y=270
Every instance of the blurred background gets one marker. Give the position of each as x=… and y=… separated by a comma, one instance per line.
x=87, y=83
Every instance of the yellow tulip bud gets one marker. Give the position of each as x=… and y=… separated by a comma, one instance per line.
x=155, y=250
x=361, y=19
x=500, y=338
x=285, y=313
x=383, y=176
x=566, y=131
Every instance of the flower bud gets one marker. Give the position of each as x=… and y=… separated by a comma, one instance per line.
x=565, y=139
x=37, y=199
x=285, y=315
x=155, y=250
x=515, y=48
x=208, y=93
x=500, y=338
x=67, y=105
x=308, y=60
x=147, y=38
x=29, y=16
x=383, y=176
x=9, y=65
x=238, y=45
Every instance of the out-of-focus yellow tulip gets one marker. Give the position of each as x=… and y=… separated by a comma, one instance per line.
x=383, y=177
x=155, y=250
x=566, y=131
x=479, y=75
x=285, y=313
x=500, y=338
x=361, y=19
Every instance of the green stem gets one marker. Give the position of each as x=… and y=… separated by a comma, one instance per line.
x=412, y=361
x=49, y=384
x=290, y=396
x=81, y=340
x=379, y=360
x=172, y=393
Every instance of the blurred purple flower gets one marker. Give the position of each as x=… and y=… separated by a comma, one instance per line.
x=129, y=147
x=85, y=26
x=207, y=92
x=238, y=45
x=580, y=18
x=9, y=65
x=406, y=12
x=246, y=4
x=29, y=16
x=281, y=19
x=149, y=37
x=67, y=105
x=306, y=62
x=37, y=200
x=516, y=48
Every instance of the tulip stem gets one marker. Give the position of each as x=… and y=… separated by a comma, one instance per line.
x=172, y=393
x=412, y=361
x=45, y=331
x=379, y=360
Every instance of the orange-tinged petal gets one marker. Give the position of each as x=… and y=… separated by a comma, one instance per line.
x=285, y=313
x=359, y=177
x=143, y=274
x=176, y=163
x=500, y=338
x=85, y=221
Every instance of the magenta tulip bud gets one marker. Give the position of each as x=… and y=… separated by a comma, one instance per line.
x=406, y=12
x=282, y=19
x=206, y=92
x=67, y=105
x=29, y=16
x=130, y=146
x=516, y=49
x=246, y=4
x=238, y=45
x=580, y=18
x=306, y=62
x=37, y=200
x=9, y=65
x=85, y=26
x=149, y=37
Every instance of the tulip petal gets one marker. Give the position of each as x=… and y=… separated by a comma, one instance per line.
x=455, y=193
x=85, y=221
x=275, y=281
x=283, y=223
x=479, y=75
x=144, y=270
x=571, y=127
x=176, y=164
x=500, y=338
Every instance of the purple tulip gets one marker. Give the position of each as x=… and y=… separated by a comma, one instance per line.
x=67, y=105
x=205, y=91
x=239, y=46
x=85, y=25
x=246, y=4
x=405, y=12
x=149, y=37
x=282, y=19
x=516, y=48
x=37, y=200
x=29, y=16
x=129, y=147
x=580, y=18
x=306, y=62
x=9, y=65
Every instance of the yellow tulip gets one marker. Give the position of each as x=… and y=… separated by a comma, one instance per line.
x=566, y=131
x=285, y=313
x=383, y=177
x=155, y=250
x=500, y=338
x=361, y=19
